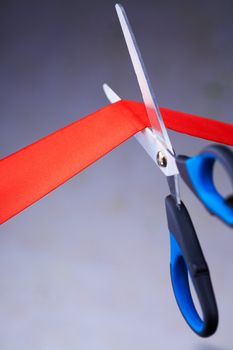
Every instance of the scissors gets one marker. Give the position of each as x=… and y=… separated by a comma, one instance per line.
x=186, y=256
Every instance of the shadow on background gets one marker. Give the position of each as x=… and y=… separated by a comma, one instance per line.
x=209, y=347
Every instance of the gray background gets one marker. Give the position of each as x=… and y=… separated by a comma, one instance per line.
x=87, y=267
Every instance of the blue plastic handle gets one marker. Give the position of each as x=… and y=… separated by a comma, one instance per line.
x=197, y=172
x=187, y=259
x=180, y=284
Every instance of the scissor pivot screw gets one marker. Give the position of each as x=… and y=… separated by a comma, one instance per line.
x=161, y=159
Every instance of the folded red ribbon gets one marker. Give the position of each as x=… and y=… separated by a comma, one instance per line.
x=32, y=172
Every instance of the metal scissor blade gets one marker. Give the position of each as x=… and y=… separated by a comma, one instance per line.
x=110, y=94
x=145, y=137
x=152, y=108
x=149, y=142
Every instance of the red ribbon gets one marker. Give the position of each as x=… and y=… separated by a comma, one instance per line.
x=32, y=172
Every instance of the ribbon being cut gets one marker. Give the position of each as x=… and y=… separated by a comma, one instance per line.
x=30, y=173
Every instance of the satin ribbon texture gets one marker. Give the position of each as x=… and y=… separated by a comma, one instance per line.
x=32, y=172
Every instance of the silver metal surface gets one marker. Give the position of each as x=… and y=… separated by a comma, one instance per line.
x=154, y=115
x=173, y=184
x=146, y=137
x=148, y=95
x=110, y=94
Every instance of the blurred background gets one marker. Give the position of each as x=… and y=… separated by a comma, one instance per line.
x=87, y=267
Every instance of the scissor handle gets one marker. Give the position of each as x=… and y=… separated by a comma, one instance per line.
x=197, y=172
x=187, y=258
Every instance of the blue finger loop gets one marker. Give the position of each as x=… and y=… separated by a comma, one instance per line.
x=187, y=259
x=200, y=171
x=180, y=283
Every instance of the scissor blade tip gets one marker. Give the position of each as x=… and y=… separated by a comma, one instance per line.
x=107, y=90
x=105, y=87
x=110, y=94
x=118, y=7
